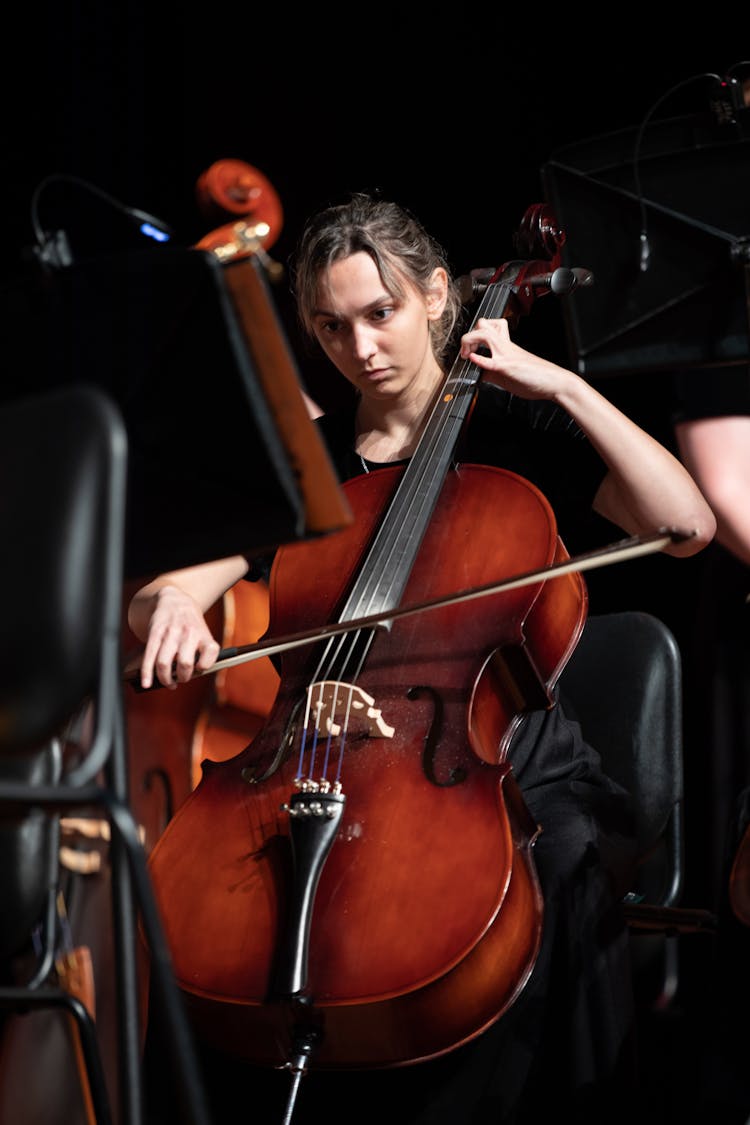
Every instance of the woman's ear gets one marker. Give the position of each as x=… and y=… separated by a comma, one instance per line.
x=437, y=294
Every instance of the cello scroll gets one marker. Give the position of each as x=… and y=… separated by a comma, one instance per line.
x=236, y=191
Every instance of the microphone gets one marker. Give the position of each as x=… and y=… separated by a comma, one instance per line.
x=645, y=261
x=727, y=101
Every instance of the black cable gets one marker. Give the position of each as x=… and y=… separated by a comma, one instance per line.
x=645, y=248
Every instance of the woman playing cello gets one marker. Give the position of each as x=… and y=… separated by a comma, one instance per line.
x=374, y=290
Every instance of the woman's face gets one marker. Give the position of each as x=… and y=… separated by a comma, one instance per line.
x=378, y=341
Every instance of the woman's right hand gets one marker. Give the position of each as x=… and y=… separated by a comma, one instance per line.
x=179, y=641
x=167, y=614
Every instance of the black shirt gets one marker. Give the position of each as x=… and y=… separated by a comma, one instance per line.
x=535, y=439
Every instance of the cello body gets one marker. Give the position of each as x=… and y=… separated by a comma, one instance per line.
x=424, y=919
x=242, y=696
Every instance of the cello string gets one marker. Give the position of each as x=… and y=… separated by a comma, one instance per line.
x=382, y=583
x=401, y=532
x=339, y=652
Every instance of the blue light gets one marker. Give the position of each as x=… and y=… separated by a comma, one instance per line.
x=153, y=232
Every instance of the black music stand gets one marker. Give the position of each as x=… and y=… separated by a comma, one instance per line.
x=222, y=456
x=684, y=183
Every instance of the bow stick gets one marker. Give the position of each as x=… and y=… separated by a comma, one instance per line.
x=624, y=549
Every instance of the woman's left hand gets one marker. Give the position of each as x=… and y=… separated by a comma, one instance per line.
x=489, y=345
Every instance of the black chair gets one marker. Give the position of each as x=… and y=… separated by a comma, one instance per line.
x=623, y=684
x=63, y=471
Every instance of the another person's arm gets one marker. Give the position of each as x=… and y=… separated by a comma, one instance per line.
x=716, y=451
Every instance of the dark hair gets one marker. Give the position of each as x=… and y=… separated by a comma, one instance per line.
x=398, y=244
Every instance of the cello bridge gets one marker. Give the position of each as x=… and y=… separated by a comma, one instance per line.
x=337, y=706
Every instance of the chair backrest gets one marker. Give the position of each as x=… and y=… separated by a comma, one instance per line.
x=623, y=684
x=62, y=473
x=62, y=493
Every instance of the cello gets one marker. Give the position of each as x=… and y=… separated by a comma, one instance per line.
x=308, y=888
x=166, y=731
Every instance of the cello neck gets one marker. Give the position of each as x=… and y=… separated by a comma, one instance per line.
x=389, y=563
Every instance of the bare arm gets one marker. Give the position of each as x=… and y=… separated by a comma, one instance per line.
x=717, y=453
x=168, y=614
x=646, y=487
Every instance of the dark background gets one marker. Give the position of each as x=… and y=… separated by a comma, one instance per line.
x=452, y=113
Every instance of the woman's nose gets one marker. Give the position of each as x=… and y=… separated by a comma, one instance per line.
x=363, y=342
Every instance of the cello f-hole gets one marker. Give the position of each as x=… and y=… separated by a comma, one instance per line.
x=457, y=774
